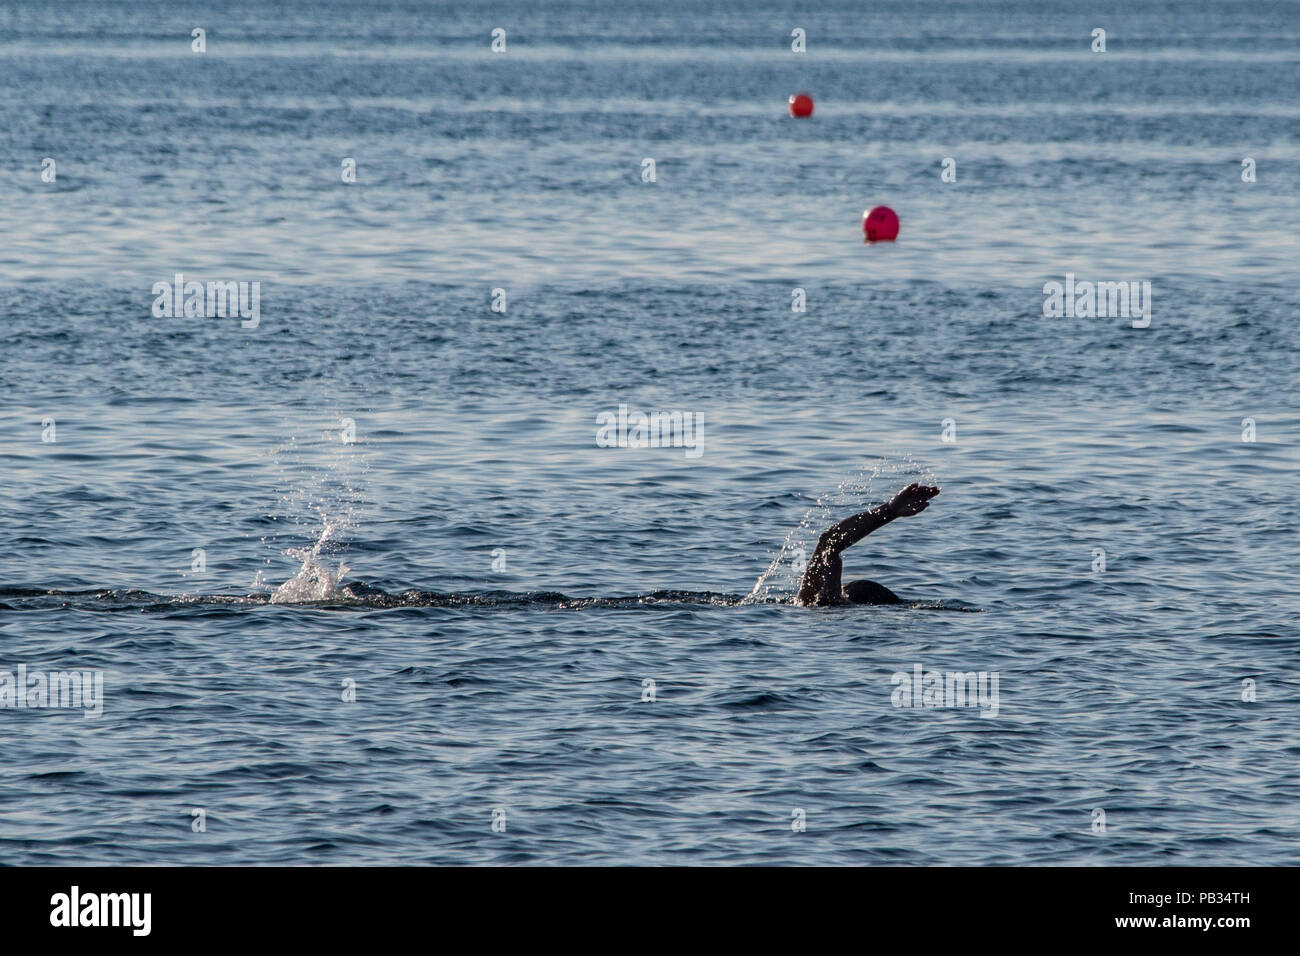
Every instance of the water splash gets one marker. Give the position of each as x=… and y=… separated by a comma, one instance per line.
x=780, y=581
x=315, y=581
x=322, y=478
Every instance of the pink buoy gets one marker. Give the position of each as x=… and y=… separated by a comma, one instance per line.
x=880, y=224
x=801, y=105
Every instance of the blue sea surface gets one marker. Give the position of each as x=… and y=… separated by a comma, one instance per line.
x=362, y=583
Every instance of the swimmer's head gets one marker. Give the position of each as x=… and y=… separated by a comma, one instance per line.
x=869, y=592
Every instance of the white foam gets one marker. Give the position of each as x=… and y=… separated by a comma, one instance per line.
x=314, y=582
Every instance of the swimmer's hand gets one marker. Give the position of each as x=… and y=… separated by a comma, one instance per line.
x=912, y=500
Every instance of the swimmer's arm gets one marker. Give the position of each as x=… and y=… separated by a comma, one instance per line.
x=850, y=531
x=910, y=501
x=821, y=580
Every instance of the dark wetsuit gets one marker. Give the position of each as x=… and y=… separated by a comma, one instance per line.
x=821, y=580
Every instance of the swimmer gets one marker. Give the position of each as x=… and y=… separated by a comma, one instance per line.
x=821, y=581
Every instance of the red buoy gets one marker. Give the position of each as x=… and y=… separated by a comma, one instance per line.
x=880, y=224
x=801, y=106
